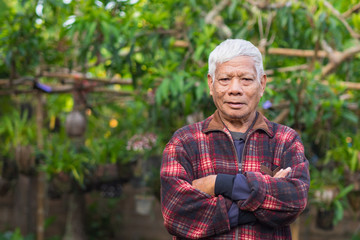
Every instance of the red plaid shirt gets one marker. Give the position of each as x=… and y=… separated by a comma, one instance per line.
x=207, y=148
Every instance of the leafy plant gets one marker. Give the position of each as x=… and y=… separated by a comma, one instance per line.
x=346, y=154
x=16, y=129
x=15, y=235
x=328, y=193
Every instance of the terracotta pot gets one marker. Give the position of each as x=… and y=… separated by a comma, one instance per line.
x=324, y=218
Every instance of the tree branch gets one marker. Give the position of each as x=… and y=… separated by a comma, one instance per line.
x=265, y=4
x=336, y=57
x=214, y=18
x=348, y=85
x=67, y=89
x=104, y=81
x=282, y=116
x=341, y=18
x=287, y=69
x=296, y=52
x=348, y=13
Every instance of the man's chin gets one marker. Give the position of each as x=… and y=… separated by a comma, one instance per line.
x=235, y=116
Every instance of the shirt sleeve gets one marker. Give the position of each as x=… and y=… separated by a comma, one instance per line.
x=235, y=187
x=239, y=217
x=278, y=201
x=188, y=212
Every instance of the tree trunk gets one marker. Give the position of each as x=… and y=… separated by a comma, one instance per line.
x=75, y=229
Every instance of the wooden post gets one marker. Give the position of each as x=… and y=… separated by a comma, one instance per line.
x=295, y=229
x=40, y=196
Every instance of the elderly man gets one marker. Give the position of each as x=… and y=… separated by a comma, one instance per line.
x=235, y=175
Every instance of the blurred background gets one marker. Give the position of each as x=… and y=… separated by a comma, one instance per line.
x=91, y=91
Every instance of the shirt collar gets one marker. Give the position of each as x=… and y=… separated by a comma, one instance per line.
x=216, y=124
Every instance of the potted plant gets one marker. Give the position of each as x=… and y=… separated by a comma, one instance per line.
x=347, y=157
x=328, y=193
x=18, y=134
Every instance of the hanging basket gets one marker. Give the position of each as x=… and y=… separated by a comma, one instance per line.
x=60, y=184
x=324, y=218
x=110, y=189
x=354, y=200
x=75, y=124
x=25, y=159
x=9, y=169
x=353, y=196
x=4, y=186
x=106, y=173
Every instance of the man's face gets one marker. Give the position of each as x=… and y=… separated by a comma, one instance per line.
x=236, y=90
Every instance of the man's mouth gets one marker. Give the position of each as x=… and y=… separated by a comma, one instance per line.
x=235, y=104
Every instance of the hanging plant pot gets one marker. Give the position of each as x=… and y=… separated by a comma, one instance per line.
x=110, y=189
x=9, y=169
x=143, y=204
x=61, y=183
x=106, y=173
x=25, y=159
x=75, y=124
x=4, y=186
x=354, y=199
x=353, y=196
x=324, y=218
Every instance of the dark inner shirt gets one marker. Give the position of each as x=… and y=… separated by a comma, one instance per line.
x=239, y=139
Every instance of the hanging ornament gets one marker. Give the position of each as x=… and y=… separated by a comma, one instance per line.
x=75, y=124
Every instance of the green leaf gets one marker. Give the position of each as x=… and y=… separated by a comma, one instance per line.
x=339, y=212
x=198, y=52
x=344, y=192
x=90, y=33
x=354, y=160
x=352, y=117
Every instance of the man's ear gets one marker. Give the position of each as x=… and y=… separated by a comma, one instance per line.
x=263, y=81
x=210, y=84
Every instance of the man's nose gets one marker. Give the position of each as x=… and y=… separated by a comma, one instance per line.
x=235, y=87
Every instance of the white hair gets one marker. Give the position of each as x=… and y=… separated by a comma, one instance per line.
x=232, y=48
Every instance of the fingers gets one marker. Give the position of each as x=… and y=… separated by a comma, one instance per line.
x=282, y=173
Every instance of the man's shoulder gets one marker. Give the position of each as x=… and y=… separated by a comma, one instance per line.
x=280, y=130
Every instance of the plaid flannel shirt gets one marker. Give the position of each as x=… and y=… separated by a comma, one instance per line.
x=207, y=148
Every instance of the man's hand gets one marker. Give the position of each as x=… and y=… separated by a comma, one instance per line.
x=205, y=184
x=282, y=173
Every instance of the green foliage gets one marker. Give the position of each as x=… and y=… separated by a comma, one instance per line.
x=327, y=192
x=15, y=130
x=15, y=235
x=163, y=47
x=346, y=154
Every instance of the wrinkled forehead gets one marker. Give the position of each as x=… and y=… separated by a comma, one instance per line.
x=239, y=63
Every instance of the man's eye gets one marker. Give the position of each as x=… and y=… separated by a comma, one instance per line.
x=247, y=79
x=224, y=79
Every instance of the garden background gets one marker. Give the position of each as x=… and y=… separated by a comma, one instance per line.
x=91, y=91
